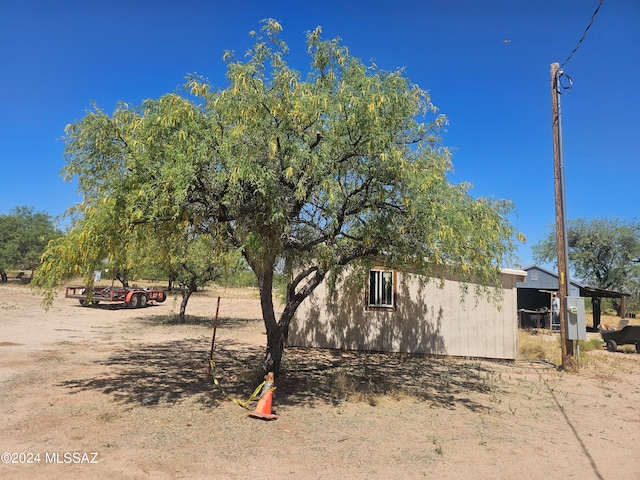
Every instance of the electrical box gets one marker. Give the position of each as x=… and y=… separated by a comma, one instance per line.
x=576, y=324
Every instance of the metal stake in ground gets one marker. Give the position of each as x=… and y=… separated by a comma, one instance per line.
x=213, y=339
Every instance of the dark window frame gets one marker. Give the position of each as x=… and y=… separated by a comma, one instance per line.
x=381, y=297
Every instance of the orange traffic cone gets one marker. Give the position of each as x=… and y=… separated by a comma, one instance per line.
x=263, y=409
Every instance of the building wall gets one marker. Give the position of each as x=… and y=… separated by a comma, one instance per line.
x=541, y=279
x=429, y=318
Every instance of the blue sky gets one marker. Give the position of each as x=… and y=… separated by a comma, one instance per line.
x=485, y=63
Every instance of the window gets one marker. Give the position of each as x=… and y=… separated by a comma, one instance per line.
x=381, y=288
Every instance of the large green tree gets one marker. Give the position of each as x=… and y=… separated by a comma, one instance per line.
x=24, y=235
x=603, y=252
x=101, y=236
x=318, y=173
x=192, y=260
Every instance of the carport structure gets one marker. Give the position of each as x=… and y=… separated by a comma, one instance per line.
x=534, y=296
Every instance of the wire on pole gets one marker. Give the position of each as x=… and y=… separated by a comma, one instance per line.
x=563, y=87
x=584, y=34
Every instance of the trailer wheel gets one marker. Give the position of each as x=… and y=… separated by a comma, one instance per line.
x=143, y=300
x=611, y=346
x=637, y=347
x=134, y=302
x=161, y=297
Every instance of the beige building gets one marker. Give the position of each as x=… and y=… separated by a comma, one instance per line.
x=397, y=312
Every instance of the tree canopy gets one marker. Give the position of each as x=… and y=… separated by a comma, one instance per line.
x=24, y=235
x=192, y=261
x=342, y=166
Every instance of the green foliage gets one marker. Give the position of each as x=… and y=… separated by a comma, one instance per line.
x=190, y=258
x=633, y=304
x=305, y=174
x=194, y=260
x=242, y=278
x=24, y=235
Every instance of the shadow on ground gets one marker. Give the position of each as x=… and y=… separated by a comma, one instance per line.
x=151, y=373
x=333, y=376
x=204, y=321
x=114, y=306
x=174, y=371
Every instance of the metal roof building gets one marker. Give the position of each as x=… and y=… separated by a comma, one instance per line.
x=534, y=292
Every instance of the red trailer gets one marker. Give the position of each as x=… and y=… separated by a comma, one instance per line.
x=131, y=297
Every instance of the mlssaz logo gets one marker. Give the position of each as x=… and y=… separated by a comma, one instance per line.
x=71, y=457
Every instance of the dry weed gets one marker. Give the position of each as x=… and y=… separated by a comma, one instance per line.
x=539, y=347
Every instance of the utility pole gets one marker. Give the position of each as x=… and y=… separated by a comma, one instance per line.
x=561, y=229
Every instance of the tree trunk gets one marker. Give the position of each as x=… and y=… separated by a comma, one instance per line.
x=122, y=278
x=186, y=291
x=278, y=331
x=618, y=307
x=275, y=337
x=275, y=350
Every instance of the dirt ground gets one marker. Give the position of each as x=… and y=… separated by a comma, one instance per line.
x=125, y=394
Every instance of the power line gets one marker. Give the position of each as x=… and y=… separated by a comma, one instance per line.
x=593, y=17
